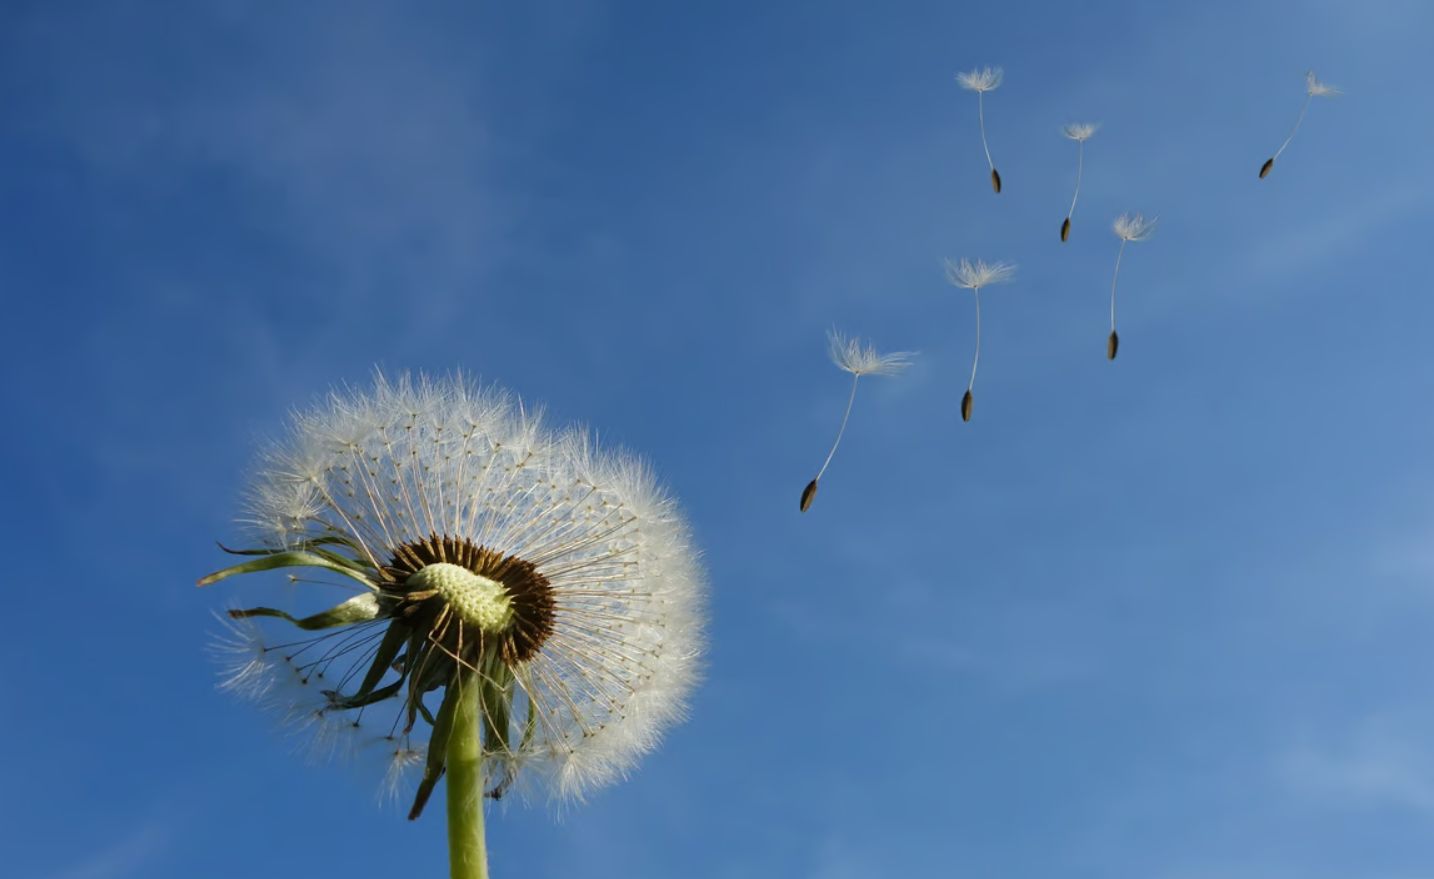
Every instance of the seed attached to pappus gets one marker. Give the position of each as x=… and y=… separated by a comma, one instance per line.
x=850, y=356
x=1129, y=228
x=974, y=276
x=1080, y=134
x=980, y=82
x=1314, y=88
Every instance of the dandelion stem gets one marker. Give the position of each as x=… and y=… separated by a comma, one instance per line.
x=1123, y=242
x=977, y=358
x=849, y=400
x=981, y=114
x=1080, y=164
x=467, y=848
x=1296, y=128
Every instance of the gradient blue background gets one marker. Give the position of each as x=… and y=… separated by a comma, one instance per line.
x=1165, y=618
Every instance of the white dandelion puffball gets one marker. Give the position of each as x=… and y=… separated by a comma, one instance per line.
x=1134, y=227
x=1319, y=89
x=851, y=356
x=981, y=80
x=482, y=547
x=978, y=274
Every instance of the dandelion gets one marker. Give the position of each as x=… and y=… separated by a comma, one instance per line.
x=1080, y=134
x=850, y=356
x=1315, y=88
x=1129, y=228
x=527, y=610
x=974, y=276
x=980, y=82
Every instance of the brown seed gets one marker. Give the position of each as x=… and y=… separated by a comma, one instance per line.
x=1111, y=345
x=1265, y=169
x=1066, y=229
x=808, y=494
x=995, y=181
x=966, y=407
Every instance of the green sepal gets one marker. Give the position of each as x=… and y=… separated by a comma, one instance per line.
x=359, y=609
x=530, y=725
x=359, y=700
x=497, y=696
x=289, y=560
x=428, y=668
x=331, y=540
x=497, y=681
x=340, y=559
x=433, y=672
x=317, y=546
x=438, y=747
x=384, y=659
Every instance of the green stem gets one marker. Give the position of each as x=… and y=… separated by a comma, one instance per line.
x=467, y=850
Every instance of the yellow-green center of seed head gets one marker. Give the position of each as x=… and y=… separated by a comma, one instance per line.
x=474, y=598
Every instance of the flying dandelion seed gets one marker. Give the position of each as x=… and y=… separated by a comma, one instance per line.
x=1129, y=228
x=529, y=609
x=1080, y=134
x=974, y=276
x=850, y=356
x=1315, y=89
x=980, y=82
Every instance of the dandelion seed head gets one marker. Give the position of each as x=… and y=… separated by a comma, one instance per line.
x=849, y=355
x=981, y=80
x=492, y=539
x=1134, y=227
x=978, y=274
x=1080, y=131
x=1319, y=89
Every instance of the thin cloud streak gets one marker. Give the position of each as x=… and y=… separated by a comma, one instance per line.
x=1382, y=763
x=123, y=859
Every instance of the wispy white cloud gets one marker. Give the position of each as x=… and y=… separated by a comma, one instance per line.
x=1013, y=648
x=1303, y=247
x=839, y=857
x=1382, y=762
x=1403, y=548
x=356, y=140
x=121, y=860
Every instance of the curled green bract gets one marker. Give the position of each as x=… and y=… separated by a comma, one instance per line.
x=359, y=609
x=295, y=559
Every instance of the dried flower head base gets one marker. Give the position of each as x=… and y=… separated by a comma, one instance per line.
x=1080, y=134
x=980, y=82
x=528, y=611
x=974, y=276
x=1129, y=228
x=1315, y=88
x=850, y=356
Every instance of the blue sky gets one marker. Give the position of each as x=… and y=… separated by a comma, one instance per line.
x=1162, y=618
